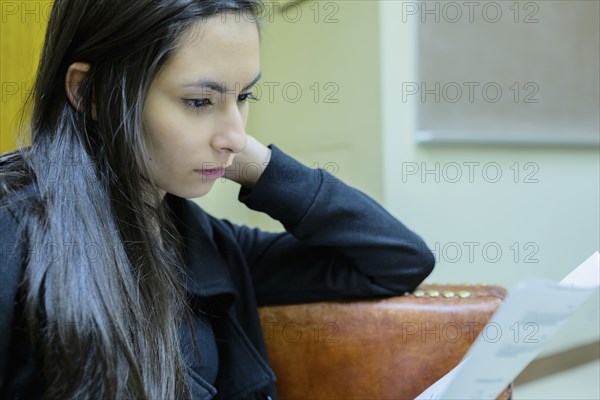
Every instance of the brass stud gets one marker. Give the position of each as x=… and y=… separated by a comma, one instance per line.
x=448, y=294
x=463, y=294
x=418, y=293
x=433, y=293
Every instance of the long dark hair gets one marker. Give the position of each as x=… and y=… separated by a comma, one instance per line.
x=102, y=284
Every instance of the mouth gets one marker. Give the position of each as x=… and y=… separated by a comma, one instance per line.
x=211, y=173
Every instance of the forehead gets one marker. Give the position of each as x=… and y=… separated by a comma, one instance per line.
x=223, y=47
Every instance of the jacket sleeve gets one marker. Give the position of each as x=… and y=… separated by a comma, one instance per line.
x=338, y=243
x=10, y=276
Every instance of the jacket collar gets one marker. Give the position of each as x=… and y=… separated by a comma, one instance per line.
x=207, y=273
x=242, y=370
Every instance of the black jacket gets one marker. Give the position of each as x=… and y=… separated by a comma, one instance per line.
x=339, y=243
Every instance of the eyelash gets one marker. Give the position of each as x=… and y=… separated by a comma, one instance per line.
x=191, y=103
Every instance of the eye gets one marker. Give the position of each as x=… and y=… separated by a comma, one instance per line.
x=197, y=104
x=247, y=97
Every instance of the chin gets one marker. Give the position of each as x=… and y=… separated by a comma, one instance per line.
x=193, y=193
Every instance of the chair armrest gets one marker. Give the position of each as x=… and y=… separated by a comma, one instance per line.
x=391, y=348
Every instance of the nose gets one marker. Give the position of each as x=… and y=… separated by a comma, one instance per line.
x=231, y=132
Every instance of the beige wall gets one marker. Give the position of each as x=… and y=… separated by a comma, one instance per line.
x=554, y=222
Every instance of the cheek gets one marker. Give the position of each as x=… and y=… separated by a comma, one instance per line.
x=171, y=145
x=175, y=135
x=167, y=132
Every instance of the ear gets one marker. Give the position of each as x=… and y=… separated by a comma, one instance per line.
x=75, y=75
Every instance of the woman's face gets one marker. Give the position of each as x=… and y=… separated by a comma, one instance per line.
x=196, y=109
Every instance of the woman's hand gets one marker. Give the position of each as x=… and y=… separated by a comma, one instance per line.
x=249, y=164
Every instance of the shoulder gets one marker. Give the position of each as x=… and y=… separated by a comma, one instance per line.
x=14, y=209
x=11, y=252
x=18, y=190
x=19, y=198
x=15, y=205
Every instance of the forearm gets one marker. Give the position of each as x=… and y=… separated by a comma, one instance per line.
x=341, y=242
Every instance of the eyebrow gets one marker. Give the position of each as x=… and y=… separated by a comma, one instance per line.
x=218, y=87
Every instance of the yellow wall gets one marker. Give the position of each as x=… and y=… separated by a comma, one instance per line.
x=22, y=28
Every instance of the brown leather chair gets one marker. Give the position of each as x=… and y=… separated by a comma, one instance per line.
x=390, y=348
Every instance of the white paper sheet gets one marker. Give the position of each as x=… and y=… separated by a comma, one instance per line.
x=533, y=312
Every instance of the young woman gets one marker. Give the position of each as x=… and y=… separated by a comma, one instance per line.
x=114, y=286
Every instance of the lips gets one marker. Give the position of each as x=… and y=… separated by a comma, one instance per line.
x=211, y=173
